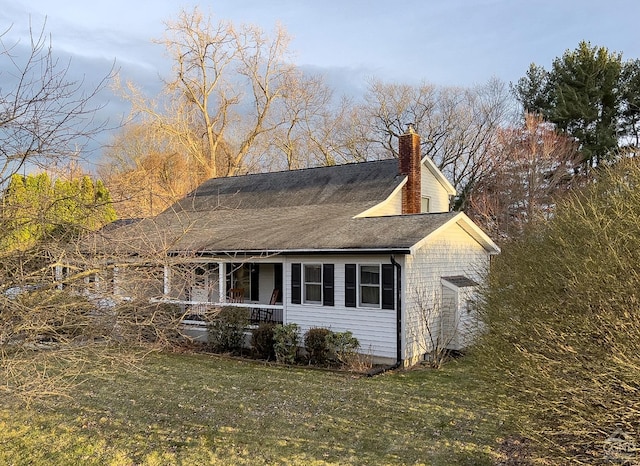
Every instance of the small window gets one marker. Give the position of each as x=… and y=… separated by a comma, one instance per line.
x=424, y=206
x=370, y=285
x=313, y=283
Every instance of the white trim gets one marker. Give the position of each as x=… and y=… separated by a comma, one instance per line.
x=166, y=282
x=359, y=302
x=426, y=160
x=469, y=227
x=222, y=280
x=422, y=199
x=388, y=200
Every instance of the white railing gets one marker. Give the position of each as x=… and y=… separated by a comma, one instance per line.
x=258, y=312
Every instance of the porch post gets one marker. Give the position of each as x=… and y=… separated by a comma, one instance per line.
x=59, y=276
x=166, y=281
x=116, y=287
x=222, y=281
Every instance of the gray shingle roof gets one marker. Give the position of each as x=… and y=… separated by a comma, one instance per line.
x=301, y=210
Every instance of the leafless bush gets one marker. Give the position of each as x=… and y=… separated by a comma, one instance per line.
x=436, y=331
x=563, y=319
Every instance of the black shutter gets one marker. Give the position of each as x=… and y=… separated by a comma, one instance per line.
x=388, y=296
x=277, y=280
x=327, y=285
x=255, y=282
x=296, y=283
x=350, y=285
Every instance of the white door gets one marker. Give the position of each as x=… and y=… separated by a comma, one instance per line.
x=200, y=286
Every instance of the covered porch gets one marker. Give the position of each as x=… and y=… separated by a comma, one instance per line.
x=202, y=287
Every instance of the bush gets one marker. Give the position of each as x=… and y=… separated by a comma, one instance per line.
x=286, y=342
x=344, y=346
x=317, y=346
x=262, y=340
x=563, y=319
x=226, y=330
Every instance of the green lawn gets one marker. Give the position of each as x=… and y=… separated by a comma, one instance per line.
x=202, y=409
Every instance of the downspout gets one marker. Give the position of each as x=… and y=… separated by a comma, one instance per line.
x=398, y=363
x=398, y=312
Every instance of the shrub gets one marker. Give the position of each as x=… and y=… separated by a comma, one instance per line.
x=262, y=340
x=317, y=346
x=286, y=342
x=344, y=346
x=226, y=330
x=563, y=319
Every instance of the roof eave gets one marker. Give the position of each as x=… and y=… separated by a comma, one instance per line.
x=468, y=226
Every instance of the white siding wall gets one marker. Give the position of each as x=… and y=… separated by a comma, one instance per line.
x=391, y=206
x=448, y=317
x=431, y=187
x=468, y=319
x=375, y=329
x=451, y=252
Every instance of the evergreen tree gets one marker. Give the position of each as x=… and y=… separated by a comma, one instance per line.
x=582, y=95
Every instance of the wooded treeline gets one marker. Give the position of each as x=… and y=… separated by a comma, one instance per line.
x=236, y=104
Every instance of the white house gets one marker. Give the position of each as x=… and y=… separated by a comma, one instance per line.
x=367, y=247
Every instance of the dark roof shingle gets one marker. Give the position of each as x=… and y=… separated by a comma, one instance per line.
x=303, y=210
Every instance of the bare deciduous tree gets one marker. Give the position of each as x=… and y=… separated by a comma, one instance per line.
x=146, y=172
x=220, y=103
x=45, y=116
x=459, y=126
x=530, y=167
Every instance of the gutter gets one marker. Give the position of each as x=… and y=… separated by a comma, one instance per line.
x=289, y=252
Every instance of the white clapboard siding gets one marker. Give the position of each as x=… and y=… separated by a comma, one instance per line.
x=375, y=329
x=390, y=206
x=430, y=187
x=450, y=252
x=434, y=190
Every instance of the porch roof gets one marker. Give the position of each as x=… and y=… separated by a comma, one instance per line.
x=275, y=230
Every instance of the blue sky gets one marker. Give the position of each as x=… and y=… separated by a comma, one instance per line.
x=444, y=42
x=447, y=42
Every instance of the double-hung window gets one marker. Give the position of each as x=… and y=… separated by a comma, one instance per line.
x=370, y=285
x=313, y=283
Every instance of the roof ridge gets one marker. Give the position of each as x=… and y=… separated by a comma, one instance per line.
x=298, y=170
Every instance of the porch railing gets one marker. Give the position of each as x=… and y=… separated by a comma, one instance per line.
x=198, y=313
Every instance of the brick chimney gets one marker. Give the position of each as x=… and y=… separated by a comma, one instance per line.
x=409, y=155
